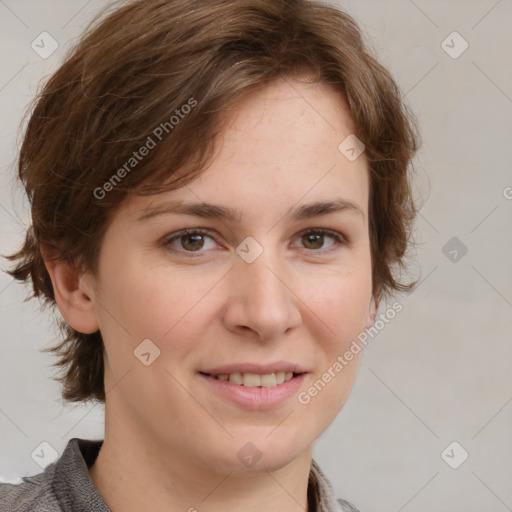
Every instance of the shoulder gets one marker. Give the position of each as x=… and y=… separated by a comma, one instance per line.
x=63, y=485
x=33, y=494
x=346, y=506
x=323, y=493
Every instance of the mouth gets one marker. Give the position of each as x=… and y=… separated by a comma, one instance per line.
x=253, y=387
x=254, y=380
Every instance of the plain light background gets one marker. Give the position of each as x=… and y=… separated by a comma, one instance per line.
x=440, y=370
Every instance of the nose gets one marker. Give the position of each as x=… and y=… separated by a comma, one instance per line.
x=261, y=298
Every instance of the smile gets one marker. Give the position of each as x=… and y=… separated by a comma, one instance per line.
x=253, y=380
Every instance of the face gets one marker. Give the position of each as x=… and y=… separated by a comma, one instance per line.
x=241, y=302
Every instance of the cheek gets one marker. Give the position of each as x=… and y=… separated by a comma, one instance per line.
x=160, y=303
x=341, y=302
x=342, y=305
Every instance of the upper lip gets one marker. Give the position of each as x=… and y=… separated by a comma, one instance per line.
x=258, y=369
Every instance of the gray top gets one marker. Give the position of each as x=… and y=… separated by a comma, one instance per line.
x=65, y=486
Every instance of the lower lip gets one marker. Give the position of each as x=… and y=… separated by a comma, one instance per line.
x=257, y=398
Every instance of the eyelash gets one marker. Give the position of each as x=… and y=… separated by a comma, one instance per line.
x=198, y=231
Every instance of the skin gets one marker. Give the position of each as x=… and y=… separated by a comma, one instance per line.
x=170, y=441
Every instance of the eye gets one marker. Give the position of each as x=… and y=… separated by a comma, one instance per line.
x=314, y=239
x=190, y=240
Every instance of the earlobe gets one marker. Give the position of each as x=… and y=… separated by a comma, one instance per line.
x=75, y=301
x=372, y=310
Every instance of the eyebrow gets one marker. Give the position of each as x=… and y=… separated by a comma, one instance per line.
x=214, y=211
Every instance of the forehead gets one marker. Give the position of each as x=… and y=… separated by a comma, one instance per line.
x=279, y=143
x=287, y=96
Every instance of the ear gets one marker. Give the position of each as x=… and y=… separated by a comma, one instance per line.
x=72, y=294
x=372, y=309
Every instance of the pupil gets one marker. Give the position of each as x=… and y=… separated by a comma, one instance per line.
x=186, y=245
x=318, y=237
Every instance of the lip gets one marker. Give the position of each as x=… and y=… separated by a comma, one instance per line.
x=258, y=369
x=256, y=398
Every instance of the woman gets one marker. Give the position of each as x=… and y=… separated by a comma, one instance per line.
x=218, y=202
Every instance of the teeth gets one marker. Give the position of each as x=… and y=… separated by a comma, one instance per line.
x=280, y=376
x=268, y=380
x=252, y=380
x=236, y=378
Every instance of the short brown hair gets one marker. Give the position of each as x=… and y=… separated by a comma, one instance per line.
x=135, y=68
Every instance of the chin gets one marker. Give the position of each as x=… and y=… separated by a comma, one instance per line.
x=260, y=452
